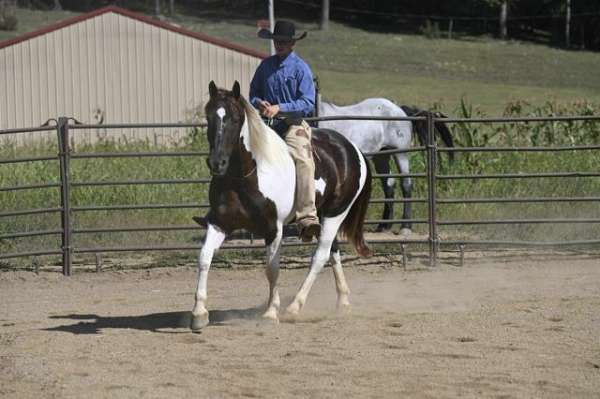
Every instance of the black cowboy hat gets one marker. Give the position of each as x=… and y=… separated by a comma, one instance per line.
x=284, y=30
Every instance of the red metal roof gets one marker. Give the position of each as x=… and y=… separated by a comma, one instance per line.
x=139, y=17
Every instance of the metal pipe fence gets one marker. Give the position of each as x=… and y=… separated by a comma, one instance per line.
x=67, y=126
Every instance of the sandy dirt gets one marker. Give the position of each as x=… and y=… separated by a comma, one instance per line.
x=506, y=325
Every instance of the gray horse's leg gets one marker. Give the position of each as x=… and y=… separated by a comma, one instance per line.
x=382, y=166
x=407, y=186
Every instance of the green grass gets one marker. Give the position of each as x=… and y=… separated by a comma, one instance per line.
x=31, y=20
x=353, y=64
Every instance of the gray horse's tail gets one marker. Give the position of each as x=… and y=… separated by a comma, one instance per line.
x=421, y=127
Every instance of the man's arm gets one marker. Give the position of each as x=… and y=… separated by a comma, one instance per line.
x=305, y=96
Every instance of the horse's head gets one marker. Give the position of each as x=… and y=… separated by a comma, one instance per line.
x=225, y=117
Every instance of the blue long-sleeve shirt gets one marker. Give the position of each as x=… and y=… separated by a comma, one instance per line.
x=288, y=83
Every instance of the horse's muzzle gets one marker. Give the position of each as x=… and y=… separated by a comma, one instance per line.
x=218, y=167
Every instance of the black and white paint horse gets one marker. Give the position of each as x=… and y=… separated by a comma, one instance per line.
x=373, y=136
x=252, y=187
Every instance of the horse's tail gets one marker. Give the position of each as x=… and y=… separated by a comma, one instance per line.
x=442, y=129
x=353, y=224
x=421, y=127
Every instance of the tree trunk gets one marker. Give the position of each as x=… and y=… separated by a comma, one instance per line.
x=325, y=15
x=568, y=24
x=157, y=8
x=57, y=5
x=503, y=17
x=171, y=7
x=8, y=14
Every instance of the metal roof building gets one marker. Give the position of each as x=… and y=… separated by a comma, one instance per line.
x=115, y=66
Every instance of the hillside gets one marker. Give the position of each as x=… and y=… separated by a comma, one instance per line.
x=353, y=64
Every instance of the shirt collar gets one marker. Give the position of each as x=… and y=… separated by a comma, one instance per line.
x=288, y=60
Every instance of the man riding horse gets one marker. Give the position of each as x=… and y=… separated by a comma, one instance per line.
x=283, y=87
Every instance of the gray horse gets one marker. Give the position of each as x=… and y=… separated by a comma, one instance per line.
x=373, y=136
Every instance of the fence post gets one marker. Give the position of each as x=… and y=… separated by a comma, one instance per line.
x=317, y=99
x=63, y=155
x=431, y=188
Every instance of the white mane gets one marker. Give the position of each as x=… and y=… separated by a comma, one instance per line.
x=264, y=144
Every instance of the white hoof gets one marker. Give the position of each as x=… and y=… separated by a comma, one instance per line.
x=199, y=322
x=293, y=309
x=271, y=316
x=343, y=306
x=405, y=232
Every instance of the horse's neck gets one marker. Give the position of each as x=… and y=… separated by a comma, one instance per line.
x=245, y=161
x=262, y=142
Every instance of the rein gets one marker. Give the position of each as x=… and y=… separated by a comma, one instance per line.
x=248, y=174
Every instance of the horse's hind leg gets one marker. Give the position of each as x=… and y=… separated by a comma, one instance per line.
x=272, y=271
x=214, y=239
x=320, y=257
x=340, y=280
x=382, y=166
x=407, y=185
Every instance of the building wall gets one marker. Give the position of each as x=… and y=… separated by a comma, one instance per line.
x=114, y=68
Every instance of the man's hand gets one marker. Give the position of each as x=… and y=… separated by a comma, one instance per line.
x=271, y=111
x=267, y=110
x=262, y=105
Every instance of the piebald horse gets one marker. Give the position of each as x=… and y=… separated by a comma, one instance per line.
x=377, y=135
x=252, y=187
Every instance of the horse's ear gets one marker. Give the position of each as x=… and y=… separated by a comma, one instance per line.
x=236, y=89
x=212, y=89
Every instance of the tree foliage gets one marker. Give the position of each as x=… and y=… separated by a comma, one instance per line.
x=8, y=17
x=537, y=20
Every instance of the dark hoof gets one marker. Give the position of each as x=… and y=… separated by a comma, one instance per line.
x=310, y=231
x=383, y=228
x=199, y=322
x=200, y=220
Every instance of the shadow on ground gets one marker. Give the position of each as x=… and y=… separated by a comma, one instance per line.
x=168, y=322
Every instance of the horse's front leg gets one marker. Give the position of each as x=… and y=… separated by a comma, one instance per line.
x=212, y=242
x=407, y=185
x=272, y=271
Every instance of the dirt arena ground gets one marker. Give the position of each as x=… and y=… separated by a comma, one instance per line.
x=506, y=325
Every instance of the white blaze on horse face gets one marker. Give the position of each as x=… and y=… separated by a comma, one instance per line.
x=320, y=185
x=221, y=114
